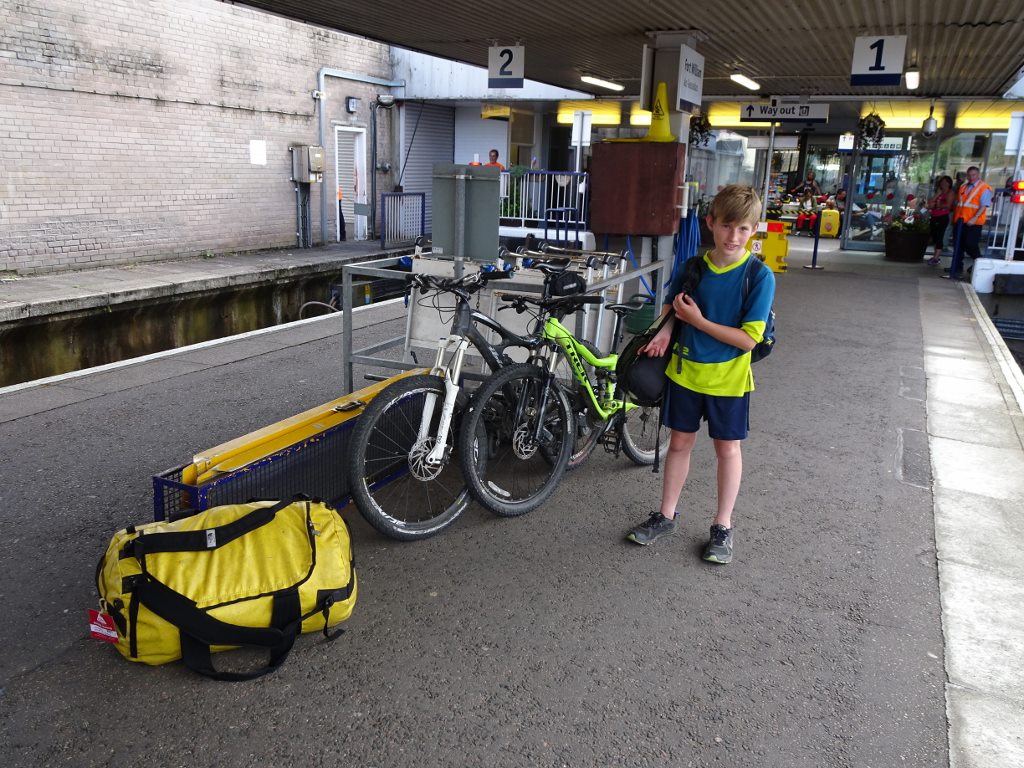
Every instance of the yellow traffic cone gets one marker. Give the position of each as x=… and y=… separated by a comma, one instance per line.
x=660, y=130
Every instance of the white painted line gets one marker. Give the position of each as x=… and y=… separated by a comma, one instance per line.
x=62, y=377
x=1011, y=371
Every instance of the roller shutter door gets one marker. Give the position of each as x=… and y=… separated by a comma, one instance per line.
x=346, y=164
x=430, y=141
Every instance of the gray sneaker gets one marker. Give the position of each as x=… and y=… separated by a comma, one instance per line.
x=719, y=548
x=652, y=529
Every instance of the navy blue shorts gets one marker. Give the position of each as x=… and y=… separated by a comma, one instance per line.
x=728, y=418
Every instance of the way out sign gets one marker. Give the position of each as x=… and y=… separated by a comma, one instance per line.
x=878, y=60
x=782, y=113
x=505, y=66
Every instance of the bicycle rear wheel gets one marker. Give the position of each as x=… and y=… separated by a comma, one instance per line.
x=512, y=457
x=639, y=431
x=394, y=488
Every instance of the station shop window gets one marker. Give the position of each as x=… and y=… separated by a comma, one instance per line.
x=828, y=165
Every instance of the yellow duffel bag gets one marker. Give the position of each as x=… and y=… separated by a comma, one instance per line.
x=250, y=575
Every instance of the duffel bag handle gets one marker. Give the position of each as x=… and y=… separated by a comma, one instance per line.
x=199, y=630
x=205, y=539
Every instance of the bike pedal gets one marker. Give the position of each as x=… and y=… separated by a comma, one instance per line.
x=611, y=442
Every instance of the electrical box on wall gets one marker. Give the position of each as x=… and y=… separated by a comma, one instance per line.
x=307, y=164
x=636, y=187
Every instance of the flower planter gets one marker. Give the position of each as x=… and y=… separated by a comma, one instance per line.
x=901, y=245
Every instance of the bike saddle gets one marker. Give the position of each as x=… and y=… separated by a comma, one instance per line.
x=551, y=267
x=626, y=307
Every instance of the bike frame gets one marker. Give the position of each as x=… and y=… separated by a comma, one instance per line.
x=457, y=342
x=607, y=405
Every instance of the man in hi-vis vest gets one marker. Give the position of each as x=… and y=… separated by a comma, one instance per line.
x=974, y=198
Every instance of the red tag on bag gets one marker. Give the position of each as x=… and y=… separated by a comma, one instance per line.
x=101, y=626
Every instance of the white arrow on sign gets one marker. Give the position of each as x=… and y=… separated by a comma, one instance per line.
x=782, y=113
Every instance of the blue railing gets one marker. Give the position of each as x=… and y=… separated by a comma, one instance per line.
x=403, y=217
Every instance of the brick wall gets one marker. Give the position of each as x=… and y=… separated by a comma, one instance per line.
x=125, y=127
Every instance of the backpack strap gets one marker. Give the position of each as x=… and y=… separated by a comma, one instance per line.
x=753, y=264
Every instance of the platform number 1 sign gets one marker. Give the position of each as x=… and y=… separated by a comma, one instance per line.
x=878, y=60
x=505, y=66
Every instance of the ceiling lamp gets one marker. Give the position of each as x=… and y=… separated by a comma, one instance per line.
x=601, y=83
x=913, y=76
x=745, y=81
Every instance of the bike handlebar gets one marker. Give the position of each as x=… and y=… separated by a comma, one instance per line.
x=462, y=286
x=519, y=301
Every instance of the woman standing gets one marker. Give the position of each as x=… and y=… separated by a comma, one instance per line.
x=940, y=206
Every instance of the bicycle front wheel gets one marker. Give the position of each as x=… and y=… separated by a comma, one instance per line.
x=395, y=487
x=639, y=431
x=516, y=439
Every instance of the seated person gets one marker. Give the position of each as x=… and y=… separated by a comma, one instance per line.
x=807, y=213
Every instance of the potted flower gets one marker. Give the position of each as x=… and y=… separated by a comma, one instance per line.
x=907, y=234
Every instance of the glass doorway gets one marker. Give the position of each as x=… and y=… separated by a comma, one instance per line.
x=878, y=187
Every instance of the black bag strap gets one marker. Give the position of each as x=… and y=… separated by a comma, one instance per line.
x=753, y=263
x=199, y=630
x=201, y=540
x=197, y=657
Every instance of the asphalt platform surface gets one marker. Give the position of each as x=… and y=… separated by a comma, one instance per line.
x=844, y=634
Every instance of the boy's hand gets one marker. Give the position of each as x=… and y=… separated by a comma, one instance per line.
x=686, y=309
x=657, y=346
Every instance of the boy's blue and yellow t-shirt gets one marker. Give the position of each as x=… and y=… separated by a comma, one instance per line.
x=703, y=363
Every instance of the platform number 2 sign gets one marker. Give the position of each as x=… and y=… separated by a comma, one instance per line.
x=878, y=60
x=505, y=66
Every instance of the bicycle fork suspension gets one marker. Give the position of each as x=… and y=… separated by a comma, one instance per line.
x=450, y=375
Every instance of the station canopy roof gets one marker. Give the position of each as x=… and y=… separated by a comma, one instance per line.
x=970, y=49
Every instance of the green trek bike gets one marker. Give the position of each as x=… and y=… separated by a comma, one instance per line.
x=524, y=426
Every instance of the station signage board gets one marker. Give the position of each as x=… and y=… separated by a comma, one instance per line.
x=783, y=113
x=691, y=80
x=878, y=60
x=506, y=66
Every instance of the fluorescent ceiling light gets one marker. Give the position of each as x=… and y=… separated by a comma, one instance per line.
x=913, y=76
x=745, y=81
x=601, y=112
x=638, y=116
x=601, y=83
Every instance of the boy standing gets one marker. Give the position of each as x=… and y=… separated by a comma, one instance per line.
x=709, y=369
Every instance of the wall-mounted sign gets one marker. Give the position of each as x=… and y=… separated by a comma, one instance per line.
x=890, y=145
x=846, y=142
x=505, y=66
x=878, y=60
x=782, y=113
x=691, y=80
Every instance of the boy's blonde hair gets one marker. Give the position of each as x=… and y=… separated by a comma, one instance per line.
x=736, y=204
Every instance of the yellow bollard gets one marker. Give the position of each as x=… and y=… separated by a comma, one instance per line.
x=771, y=247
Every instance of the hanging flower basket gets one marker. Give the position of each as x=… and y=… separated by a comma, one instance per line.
x=700, y=130
x=870, y=130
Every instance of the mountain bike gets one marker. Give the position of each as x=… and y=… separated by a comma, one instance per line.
x=402, y=475
x=518, y=437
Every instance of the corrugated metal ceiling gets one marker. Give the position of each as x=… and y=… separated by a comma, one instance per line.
x=792, y=47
